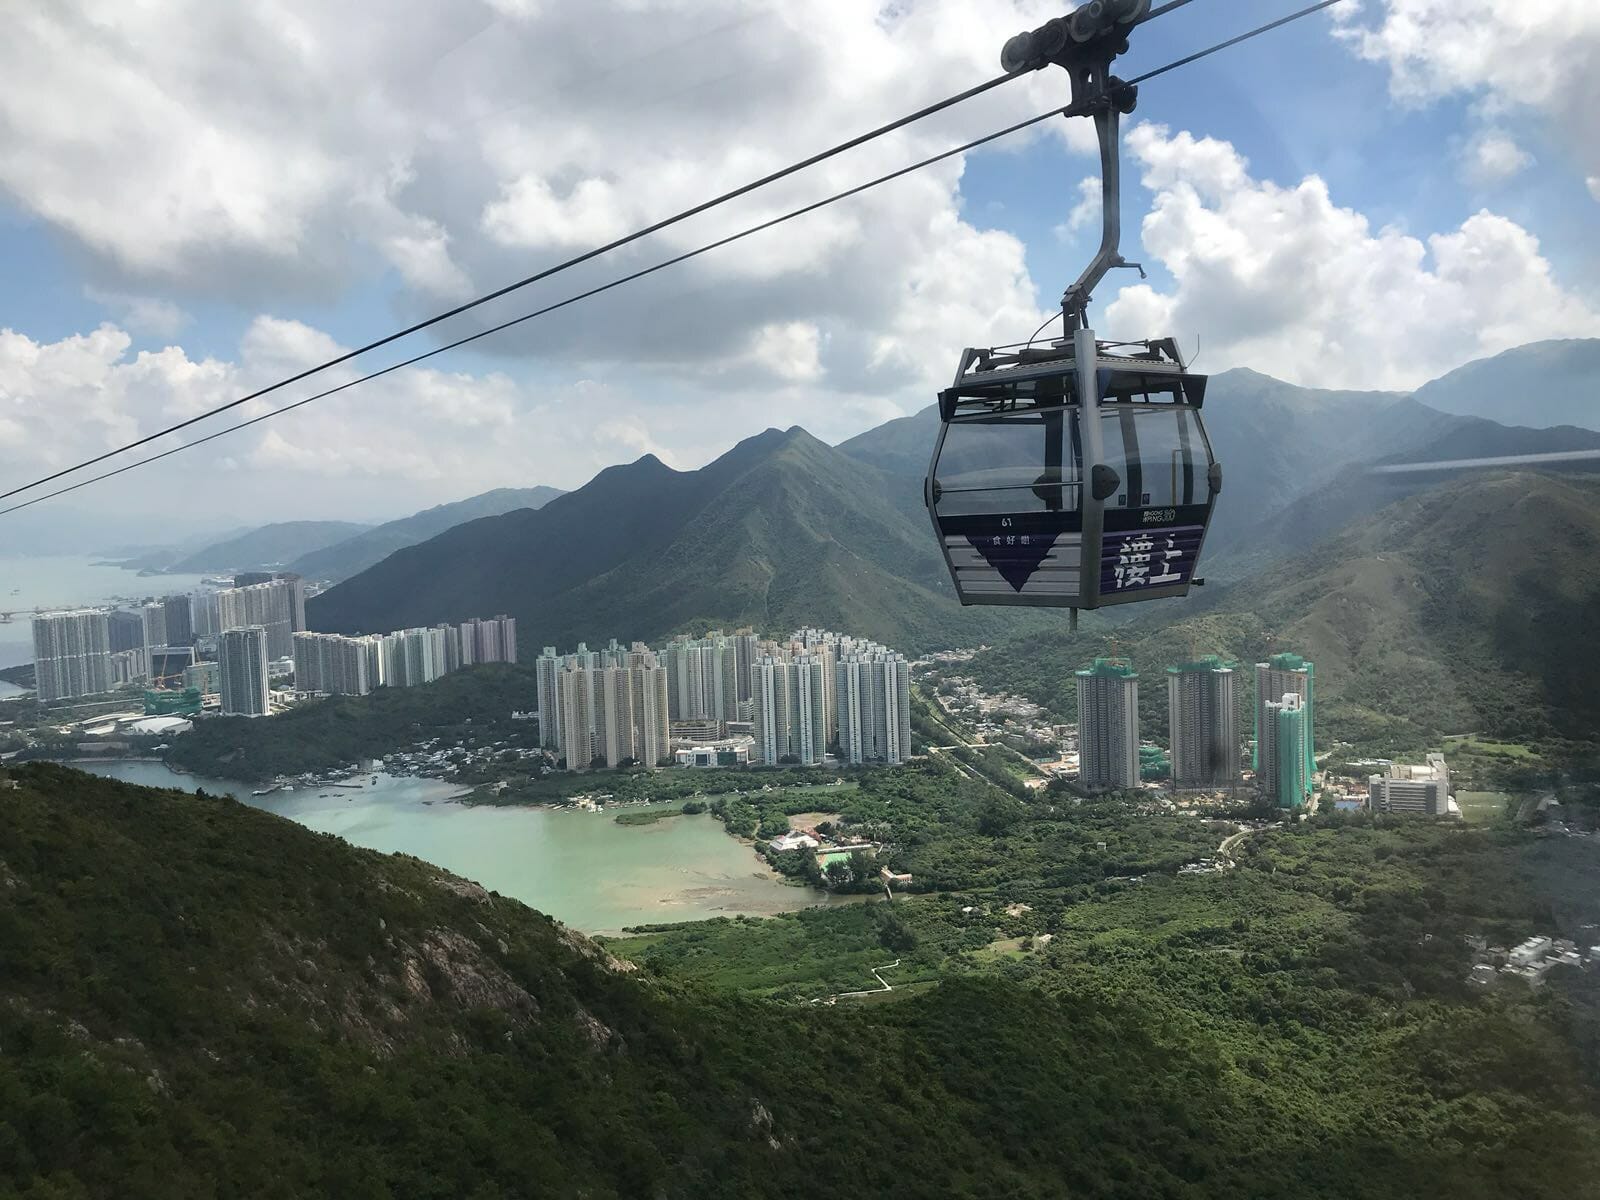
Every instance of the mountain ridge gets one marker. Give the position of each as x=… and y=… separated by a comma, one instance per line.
x=350, y=556
x=643, y=550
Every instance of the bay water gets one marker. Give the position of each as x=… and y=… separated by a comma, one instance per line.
x=581, y=867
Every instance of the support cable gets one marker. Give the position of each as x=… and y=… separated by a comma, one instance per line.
x=624, y=279
x=742, y=190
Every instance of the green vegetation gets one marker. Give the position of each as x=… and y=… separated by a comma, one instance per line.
x=470, y=707
x=20, y=676
x=640, y=786
x=1470, y=744
x=1435, y=616
x=1485, y=807
x=649, y=816
x=193, y=990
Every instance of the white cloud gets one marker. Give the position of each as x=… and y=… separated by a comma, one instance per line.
x=454, y=146
x=1494, y=157
x=1284, y=280
x=1594, y=187
x=1085, y=212
x=1541, y=58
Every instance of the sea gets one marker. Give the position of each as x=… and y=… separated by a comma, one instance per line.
x=67, y=581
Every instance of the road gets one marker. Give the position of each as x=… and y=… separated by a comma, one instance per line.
x=1225, y=850
x=870, y=991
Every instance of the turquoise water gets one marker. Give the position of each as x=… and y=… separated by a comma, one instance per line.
x=580, y=867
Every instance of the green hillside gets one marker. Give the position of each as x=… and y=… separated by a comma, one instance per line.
x=780, y=531
x=343, y=559
x=474, y=704
x=198, y=998
x=1460, y=609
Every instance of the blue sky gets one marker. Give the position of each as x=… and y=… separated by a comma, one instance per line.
x=351, y=175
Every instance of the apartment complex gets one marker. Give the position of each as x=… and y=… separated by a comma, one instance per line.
x=802, y=697
x=872, y=691
x=708, y=678
x=1203, y=724
x=790, y=697
x=353, y=666
x=606, y=708
x=1108, y=725
x=277, y=606
x=72, y=654
x=338, y=666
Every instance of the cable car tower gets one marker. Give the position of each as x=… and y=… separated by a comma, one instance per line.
x=1077, y=473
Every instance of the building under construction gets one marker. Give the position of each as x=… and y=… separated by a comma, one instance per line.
x=1285, y=757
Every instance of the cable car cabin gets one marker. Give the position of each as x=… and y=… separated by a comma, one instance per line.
x=1063, y=487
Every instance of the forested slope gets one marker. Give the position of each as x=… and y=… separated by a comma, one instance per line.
x=197, y=998
x=1456, y=610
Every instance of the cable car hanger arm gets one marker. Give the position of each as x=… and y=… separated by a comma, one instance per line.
x=1085, y=44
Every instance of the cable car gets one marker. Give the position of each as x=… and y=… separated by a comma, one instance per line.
x=1075, y=474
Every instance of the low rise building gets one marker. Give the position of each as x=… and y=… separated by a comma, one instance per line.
x=1412, y=789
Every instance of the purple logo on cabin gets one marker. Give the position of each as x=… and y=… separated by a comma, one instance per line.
x=1148, y=558
x=1015, y=555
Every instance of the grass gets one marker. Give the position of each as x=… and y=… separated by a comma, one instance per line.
x=828, y=789
x=1483, y=807
x=1001, y=950
x=1472, y=745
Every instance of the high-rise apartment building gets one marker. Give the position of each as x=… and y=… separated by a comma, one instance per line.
x=546, y=672
x=71, y=654
x=242, y=672
x=872, y=695
x=154, y=619
x=790, y=708
x=651, y=708
x=1203, y=716
x=205, y=614
x=331, y=664
x=703, y=679
x=1108, y=725
x=179, y=613
x=278, y=606
x=487, y=641
x=745, y=653
x=126, y=629
x=129, y=662
x=1279, y=677
x=576, y=698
